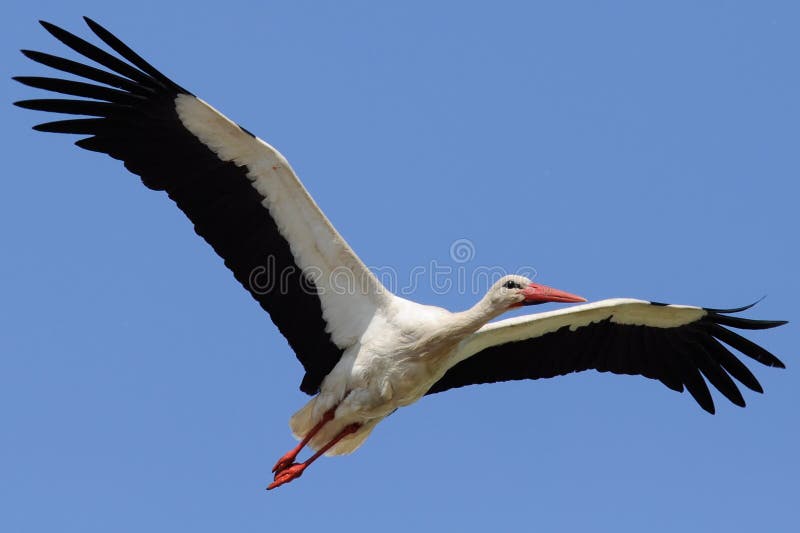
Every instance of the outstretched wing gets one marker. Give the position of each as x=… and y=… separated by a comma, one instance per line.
x=677, y=345
x=239, y=192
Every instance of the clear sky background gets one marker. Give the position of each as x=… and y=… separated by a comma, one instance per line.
x=619, y=148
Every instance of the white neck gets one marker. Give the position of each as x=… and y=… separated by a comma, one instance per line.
x=469, y=321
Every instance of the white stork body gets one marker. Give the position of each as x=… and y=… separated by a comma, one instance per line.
x=406, y=348
x=365, y=351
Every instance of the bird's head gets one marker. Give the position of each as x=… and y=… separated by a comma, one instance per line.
x=515, y=291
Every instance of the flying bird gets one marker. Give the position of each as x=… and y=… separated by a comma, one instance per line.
x=365, y=352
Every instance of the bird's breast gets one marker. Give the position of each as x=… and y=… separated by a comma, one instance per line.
x=403, y=375
x=403, y=353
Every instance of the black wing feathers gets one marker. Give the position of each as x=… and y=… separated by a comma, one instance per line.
x=79, y=88
x=85, y=71
x=123, y=50
x=679, y=357
x=135, y=121
x=104, y=58
x=77, y=107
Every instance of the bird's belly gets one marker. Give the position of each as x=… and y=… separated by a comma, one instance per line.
x=397, y=382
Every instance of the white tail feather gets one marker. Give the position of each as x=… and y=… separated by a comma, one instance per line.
x=303, y=421
x=353, y=442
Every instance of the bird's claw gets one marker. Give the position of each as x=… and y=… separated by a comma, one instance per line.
x=283, y=463
x=287, y=474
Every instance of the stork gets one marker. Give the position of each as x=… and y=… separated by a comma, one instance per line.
x=365, y=352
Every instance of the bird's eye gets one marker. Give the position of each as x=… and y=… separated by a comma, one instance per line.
x=512, y=285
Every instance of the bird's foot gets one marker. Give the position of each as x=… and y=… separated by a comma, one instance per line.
x=284, y=462
x=287, y=474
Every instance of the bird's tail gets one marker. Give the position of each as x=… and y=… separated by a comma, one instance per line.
x=303, y=421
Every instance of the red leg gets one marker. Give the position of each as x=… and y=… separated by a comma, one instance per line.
x=296, y=470
x=288, y=459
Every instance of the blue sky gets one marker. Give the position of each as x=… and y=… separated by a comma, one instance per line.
x=617, y=148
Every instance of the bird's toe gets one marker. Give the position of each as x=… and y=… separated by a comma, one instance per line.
x=283, y=463
x=287, y=474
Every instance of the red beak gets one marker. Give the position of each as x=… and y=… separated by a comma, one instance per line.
x=538, y=294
